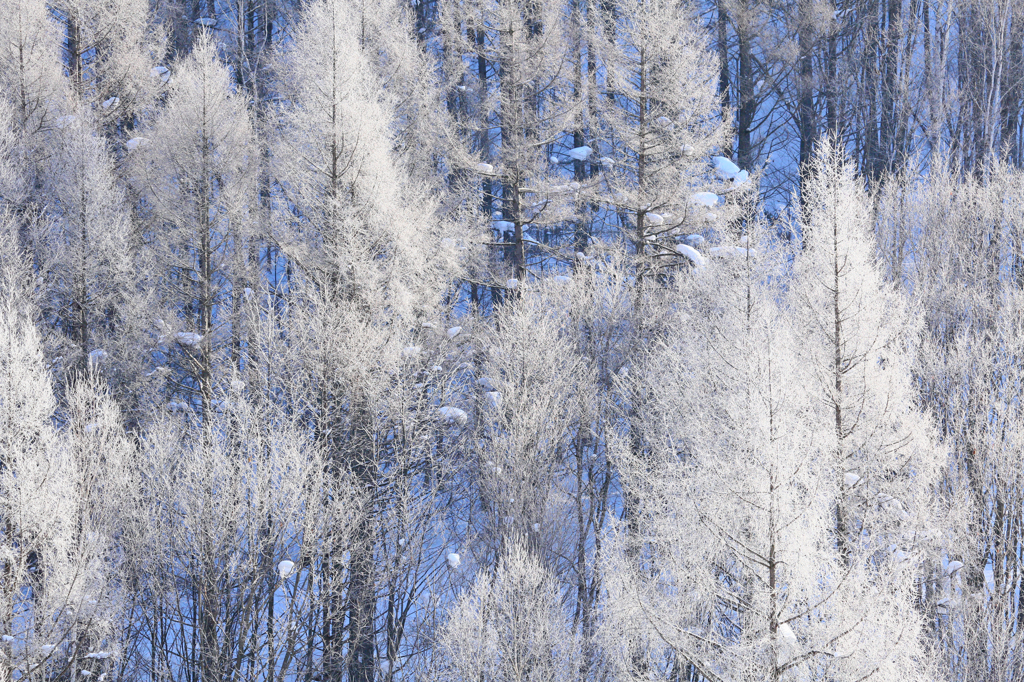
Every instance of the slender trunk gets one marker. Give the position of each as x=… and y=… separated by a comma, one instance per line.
x=806, y=116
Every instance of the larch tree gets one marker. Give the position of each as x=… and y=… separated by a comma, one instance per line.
x=512, y=57
x=864, y=365
x=194, y=169
x=369, y=261
x=658, y=121
x=86, y=249
x=734, y=569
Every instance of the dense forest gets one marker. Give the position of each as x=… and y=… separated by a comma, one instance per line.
x=511, y=340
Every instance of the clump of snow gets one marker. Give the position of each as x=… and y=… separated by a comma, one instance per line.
x=188, y=338
x=686, y=149
x=741, y=177
x=711, y=217
x=493, y=399
x=428, y=325
x=607, y=161
x=693, y=254
x=485, y=168
x=726, y=168
x=401, y=542
x=454, y=331
x=787, y=634
x=98, y=655
x=562, y=279
x=7, y=638
x=136, y=142
x=655, y=219
x=285, y=568
x=97, y=356
x=580, y=153
x=47, y=648
x=92, y=427
x=112, y=102
x=485, y=383
x=237, y=385
x=208, y=22
x=454, y=414
x=708, y=199
x=953, y=566
x=504, y=225
x=85, y=673
x=850, y=479
x=694, y=239
x=536, y=528
x=161, y=72
x=512, y=283
x=411, y=351
x=454, y=560
x=553, y=159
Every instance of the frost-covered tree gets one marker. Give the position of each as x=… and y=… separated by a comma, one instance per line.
x=512, y=58
x=509, y=627
x=368, y=262
x=735, y=568
x=658, y=120
x=863, y=363
x=529, y=393
x=84, y=245
x=62, y=479
x=955, y=243
x=194, y=168
x=227, y=538
x=108, y=47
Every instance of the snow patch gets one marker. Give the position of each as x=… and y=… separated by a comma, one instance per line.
x=691, y=253
x=726, y=168
x=188, y=338
x=454, y=414
x=285, y=568
x=708, y=199
x=454, y=331
x=136, y=142
x=580, y=153
x=454, y=560
x=485, y=168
